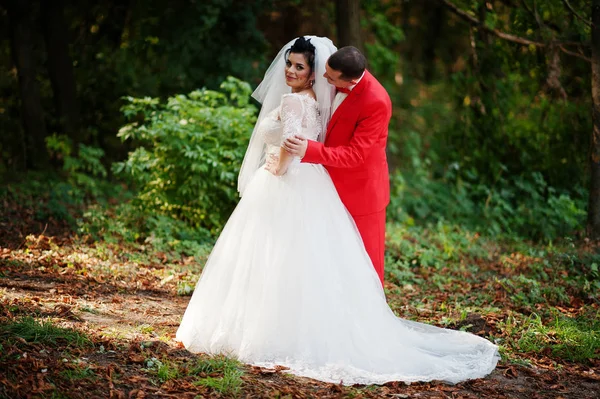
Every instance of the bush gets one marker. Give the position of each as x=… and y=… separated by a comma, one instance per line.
x=85, y=175
x=190, y=151
x=522, y=205
x=128, y=223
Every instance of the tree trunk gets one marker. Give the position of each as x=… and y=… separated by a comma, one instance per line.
x=593, y=227
x=348, y=23
x=21, y=27
x=434, y=17
x=60, y=67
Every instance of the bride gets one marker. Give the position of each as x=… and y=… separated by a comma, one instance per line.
x=289, y=282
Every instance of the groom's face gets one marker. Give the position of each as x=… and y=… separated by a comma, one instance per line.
x=334, y=77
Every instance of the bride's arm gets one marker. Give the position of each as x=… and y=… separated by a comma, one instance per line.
x=284, y=161
x=291, y=117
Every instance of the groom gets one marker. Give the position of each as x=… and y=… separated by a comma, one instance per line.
x=354, y=148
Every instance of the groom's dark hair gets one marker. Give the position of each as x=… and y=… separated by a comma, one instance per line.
x=349, y=61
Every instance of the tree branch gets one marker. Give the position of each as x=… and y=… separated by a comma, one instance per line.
x=574, y=54
x=588, y=23
x=507, y=36
x=474, y=21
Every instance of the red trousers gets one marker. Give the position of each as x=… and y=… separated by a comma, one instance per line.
x=372, y=231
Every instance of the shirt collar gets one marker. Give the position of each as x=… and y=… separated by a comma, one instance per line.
x=358, y=81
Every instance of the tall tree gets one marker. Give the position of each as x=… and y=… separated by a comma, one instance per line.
x=22, y=43
x=60, y=66
x=348, y=23
x=594, y=201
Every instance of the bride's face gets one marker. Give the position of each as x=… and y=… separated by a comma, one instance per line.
x=297, y=72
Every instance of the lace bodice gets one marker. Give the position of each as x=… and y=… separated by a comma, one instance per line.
x=297, y=114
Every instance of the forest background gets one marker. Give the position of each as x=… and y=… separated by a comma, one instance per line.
x=492, y=123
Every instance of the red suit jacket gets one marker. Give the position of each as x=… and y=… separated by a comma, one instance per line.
x=354, y=148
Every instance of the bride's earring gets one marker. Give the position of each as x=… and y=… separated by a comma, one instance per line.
x=311, y=81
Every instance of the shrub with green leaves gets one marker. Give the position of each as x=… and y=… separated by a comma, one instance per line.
x=522, y=205
x=83, y=168
x=189, y=154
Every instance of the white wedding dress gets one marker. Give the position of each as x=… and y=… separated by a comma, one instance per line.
x=289, y=283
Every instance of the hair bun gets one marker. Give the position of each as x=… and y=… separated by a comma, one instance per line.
x=303, y=45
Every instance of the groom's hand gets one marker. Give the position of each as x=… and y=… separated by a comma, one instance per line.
x=296, y=145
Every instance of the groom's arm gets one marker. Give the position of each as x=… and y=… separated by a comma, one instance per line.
x=367, y=133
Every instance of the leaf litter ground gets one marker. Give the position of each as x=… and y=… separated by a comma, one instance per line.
x=82, y=319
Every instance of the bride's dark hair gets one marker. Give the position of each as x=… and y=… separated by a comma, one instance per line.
x=304, y=47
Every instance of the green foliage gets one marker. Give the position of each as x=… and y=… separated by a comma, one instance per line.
x=523, y=205
x=129, y=223
x=485, y=136
x=434, y=245
x=383, y=60
x=582, y=271
x=528, y=291
x=512, y=93
x=84, y=171
x=410, y=249
x=184, y=170
x=516, y=127
x=60, y=196
x=190, y=152
x=44, y=193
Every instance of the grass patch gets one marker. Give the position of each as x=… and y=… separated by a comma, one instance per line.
x=42, y=332
x=557, y=336
x=218, y=373
x=228, y=384
x=78, y=373
x=165, y=369
x=574, y=339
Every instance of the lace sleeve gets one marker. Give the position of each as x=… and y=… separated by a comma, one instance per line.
x=291, y=115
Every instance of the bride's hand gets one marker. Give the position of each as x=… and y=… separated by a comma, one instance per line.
x=272, y=167
x=271, y=163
